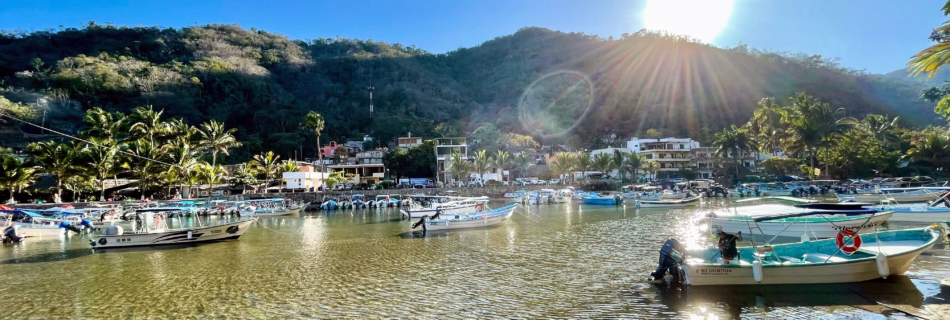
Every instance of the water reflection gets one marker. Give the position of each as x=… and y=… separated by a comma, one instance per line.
x=554, y=261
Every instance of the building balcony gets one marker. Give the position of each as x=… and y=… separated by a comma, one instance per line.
x=671, y=159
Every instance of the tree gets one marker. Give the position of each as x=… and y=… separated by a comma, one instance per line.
x=560, y=165
x=210, y=174
x=481, y=164
x=931, y=59
x=730, y=142
x=340, y=154
x=781, y=166
x=459, y=166
x=618, y=158
x=57, y=159
x=651, y=167
x=766, y=125
x=147, y=123
x=515, y=143
x=15, y=174
x=523, y=162
x=812, y=123
x=652, y=134
x=932, y=148
x=140, y=162
x=566, y=162
x=103, y=125
x=582, y=163
x=216, y=138
x=334, y=178
x=633, y=162
x=486, y=137
x=102, y=161
x=266, y=164
x=882, y=128
x=503, y=161
x=603, y=162
x=181, y=154
x=314, y=122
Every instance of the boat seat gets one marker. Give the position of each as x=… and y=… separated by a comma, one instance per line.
x=815, y=257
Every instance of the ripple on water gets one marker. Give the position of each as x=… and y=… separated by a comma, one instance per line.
x=561, y=261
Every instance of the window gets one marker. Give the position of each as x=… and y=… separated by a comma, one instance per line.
x=649, y=156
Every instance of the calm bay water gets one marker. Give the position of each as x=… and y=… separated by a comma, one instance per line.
x=569, y=260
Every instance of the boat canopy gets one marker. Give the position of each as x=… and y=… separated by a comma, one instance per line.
x=24, y=212
x=818, y=212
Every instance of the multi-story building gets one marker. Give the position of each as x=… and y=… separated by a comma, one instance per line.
x=361, y=173
x=444, y=148
x=409, y=142
x=370, y=157
x=705, y=162
x=672, y=154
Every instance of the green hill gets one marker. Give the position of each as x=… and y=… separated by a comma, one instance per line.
x=557, y=87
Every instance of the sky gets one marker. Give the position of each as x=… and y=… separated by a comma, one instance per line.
x=873, y=35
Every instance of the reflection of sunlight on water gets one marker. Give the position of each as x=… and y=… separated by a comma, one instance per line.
x=691, y=229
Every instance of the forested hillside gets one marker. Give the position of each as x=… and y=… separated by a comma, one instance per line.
x=558, y=87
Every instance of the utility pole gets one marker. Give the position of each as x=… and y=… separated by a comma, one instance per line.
x=371, y=88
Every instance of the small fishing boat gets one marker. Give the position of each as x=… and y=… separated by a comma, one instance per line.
x=773, y=220
x=915, y=195
x=357, y=201
x=681, y=203
x=263, y=207
x=447, y=208
x=515, y=194
x=563, y=196
x=329, y=205
x=384, y=200
x=465, y=220
x=846, y=258
x=594, y=198
x=159, y=235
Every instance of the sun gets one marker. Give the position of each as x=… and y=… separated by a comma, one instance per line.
x=700, y=19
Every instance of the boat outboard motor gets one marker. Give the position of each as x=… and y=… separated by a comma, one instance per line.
x=10, y=235
x=422, y=222
x=67, y=226
x=671, y=257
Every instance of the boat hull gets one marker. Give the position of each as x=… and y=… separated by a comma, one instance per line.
x=668, y=203
x=600, y=201
x=899, y=198
x=419, y=213
x=794, y=229
x=449, y=224
x=220, y=232
x=929, y=216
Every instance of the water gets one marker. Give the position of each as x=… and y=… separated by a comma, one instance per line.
x=562, y=261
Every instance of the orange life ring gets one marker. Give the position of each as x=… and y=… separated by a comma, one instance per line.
x=479, y=207
x=854, y=246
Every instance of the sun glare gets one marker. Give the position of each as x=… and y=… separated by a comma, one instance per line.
x=700, y=19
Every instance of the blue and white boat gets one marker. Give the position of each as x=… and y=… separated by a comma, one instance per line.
x=918, y=212
x=472, y=219
x=594, y=198
x=357, y=201
x=775, y=220
x=329, y=205
x=877, y=255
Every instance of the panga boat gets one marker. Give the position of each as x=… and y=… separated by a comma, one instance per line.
x=880, y=254
x=462, y=205
x=158, y=235
x=773, y=220
x=680, y=203
x=593, y=198
x=915, y=195
x=919, y=212
x=465, y=220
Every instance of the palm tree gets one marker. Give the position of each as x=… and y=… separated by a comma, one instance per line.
x=603, y=162
x=183, y=156
x=178, y=131
x=633, y=162
x=101, y=161
x=812, y=123
x=481, y=164
x=618, y=158
x=731, y=141
x=503, y=161
x=932, y=148
x=560, y=166
x=569, y=161
x=931, y=59
x=651, y=167
x=215, y=137
x=57, y=159
x=882, y=128
x=266, y=164
x=103, y=125
x=314, y=122
x=460, y=167
x=523, y=162
x=210, y=174
x=582, y=163
x=245, y=174
x=767, y=126
x=15, y=174
x=147, y=123
x=139, y=162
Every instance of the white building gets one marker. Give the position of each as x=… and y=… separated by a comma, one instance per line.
x=303, y=179
x=361, y=173
x=672, y=154
x=444, y=148
x=409, y=142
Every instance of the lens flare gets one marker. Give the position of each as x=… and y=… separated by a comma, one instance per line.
x=700, y=19
x=555, y=103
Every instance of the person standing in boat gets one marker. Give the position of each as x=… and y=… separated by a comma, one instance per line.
x=727, y=245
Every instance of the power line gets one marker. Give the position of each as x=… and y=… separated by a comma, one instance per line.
x=93, y=143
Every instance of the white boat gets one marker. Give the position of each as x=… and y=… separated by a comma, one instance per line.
x=31, y=224
x=916, y=195
x=681, y=203
x=563, y=196
x=159, y=237
x=263, y=208
x=788, y=221
x=515, y=194
x=465, y=220
x=879, y=254
x=475, y=205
